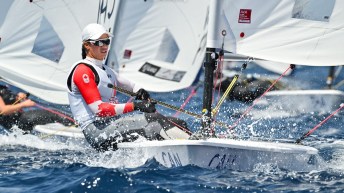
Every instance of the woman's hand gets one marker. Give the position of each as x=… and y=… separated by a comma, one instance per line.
x=27, y=103
x=144, y=106
x=142, y=94
x=24, y=102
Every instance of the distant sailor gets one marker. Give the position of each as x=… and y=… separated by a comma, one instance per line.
x=248, y=88
x=104, y=121
x=12, y=113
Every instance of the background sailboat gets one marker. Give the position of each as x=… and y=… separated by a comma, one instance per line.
x=301, y=32
x=271, y=35
x=40, y=40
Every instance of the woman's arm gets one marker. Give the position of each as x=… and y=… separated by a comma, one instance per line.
x=12, y=108
x=84, y=79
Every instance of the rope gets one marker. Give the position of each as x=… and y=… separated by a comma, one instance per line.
x=180, y=127
x=192, y=93
x=124, y=91
x=229, y=88
x=217, y=74
x=219, y=66
x=320, y=124
x=55, y=112
x=256, y=100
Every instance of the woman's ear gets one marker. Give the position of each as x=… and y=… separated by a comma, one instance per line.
x=86, y=46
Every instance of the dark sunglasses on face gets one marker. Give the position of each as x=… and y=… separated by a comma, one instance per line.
x=100, y=42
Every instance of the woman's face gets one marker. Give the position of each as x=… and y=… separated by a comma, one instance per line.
x=97, y=50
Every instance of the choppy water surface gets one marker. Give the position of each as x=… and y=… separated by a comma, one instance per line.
x=30, y=163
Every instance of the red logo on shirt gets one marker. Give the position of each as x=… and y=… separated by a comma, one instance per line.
x=85, y=78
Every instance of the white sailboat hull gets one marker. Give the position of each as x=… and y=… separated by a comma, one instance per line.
x=226, y=154
x=57, y=129
x=210, y=153
x=295, y=102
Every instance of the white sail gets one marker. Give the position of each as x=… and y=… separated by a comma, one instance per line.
x=302, y=32
x=272, y=66
x=40, y=40
x=160, y=44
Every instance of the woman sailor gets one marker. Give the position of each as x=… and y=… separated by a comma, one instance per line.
x=12, y=112
x=92, y=101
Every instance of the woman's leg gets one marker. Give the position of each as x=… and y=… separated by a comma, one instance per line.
x=153, y=126
x=104, y=135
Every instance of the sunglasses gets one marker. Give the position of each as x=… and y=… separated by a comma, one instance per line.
x=100, y=42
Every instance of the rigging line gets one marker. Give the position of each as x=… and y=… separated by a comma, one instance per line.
x=229, y=89
x=179, y=126
x=50, y=110
x=155, y=101
x=257, y=99
x=219, y=65
x=55, y=112
x=192, y=93
x=218, y=71
x=320, y=124
x=217, y=74
x=129, y=93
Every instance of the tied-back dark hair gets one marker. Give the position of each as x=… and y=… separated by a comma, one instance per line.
x=7, y=95
x=83, y=51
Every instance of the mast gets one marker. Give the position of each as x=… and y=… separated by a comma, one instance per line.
x=330, y=77
x=213, y=42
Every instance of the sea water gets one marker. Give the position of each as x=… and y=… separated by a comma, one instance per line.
x=31, y=163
